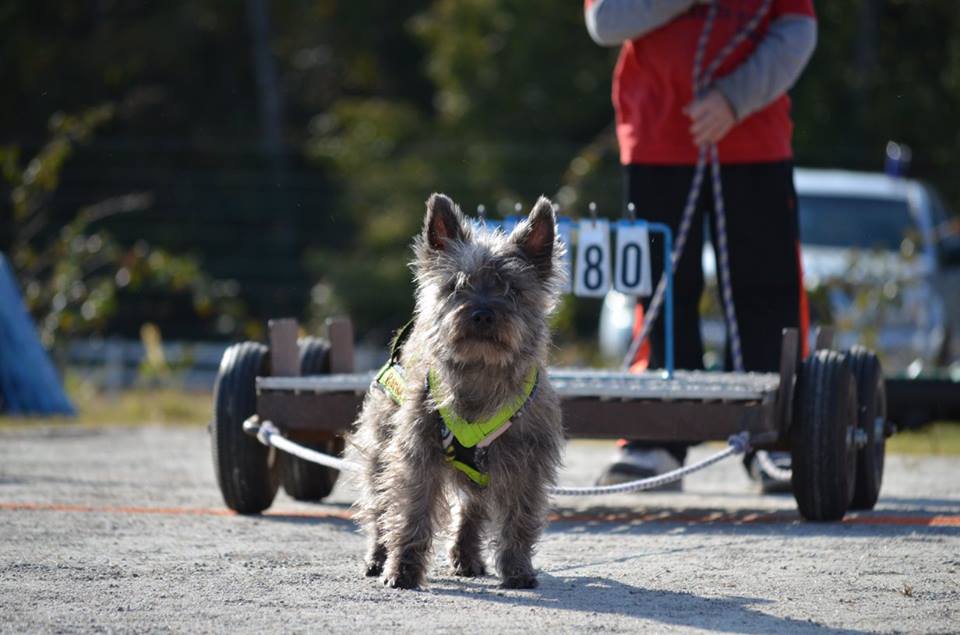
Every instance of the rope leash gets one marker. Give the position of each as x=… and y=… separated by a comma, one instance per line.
x=771, y=469
x=701, y=84
x=269, y=435
x=737, y=444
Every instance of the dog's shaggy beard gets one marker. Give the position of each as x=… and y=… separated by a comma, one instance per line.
x=454, y=335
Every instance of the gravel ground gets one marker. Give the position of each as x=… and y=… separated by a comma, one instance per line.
x=123, y=529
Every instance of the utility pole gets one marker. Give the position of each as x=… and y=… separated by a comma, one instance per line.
x=284, y=253
x=268, y=91
x=865, y=60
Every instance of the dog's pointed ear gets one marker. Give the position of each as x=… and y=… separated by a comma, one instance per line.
x=444, y=223
x=537, y=234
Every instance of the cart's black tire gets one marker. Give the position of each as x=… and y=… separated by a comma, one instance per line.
x=871, y=408
x=823, y=452
x=244, y=466
x=302, y=480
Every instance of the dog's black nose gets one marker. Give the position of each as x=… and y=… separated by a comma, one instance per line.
x=482, y=317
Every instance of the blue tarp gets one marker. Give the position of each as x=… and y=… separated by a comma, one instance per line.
x=29, y=383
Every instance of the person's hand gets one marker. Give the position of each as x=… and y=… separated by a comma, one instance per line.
x=710, y=118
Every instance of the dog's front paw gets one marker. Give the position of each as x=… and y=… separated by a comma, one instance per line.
x=399, y=581
x=469, y=568
x=376, y=558
x=405, y=578
x=520, y=581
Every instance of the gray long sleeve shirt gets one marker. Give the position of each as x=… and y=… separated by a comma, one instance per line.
x=770, y=71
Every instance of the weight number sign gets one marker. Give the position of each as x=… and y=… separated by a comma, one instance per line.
x=632, y=275
x=593, y=259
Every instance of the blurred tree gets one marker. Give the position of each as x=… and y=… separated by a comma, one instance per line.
x=884, y=69
x=520, y=105
x=517, y=91
x=493, y=101
x=74, y=275
x=186, y=130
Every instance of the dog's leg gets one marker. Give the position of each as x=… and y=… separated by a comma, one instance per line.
x=376, y=551
x=370, y=439
x=408, y=523
x=521, y=512
x=376, y=556
x=466, y=552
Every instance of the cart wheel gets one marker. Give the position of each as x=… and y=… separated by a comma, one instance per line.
x=302, y=480
x=243, y=466
x=822, y=437
x=871, y=419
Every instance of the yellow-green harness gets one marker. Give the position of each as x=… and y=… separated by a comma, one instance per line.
x=462, y=440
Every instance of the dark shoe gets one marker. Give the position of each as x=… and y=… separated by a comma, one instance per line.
x=632, y=464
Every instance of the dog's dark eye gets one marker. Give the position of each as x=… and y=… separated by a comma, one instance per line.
x=455, y=284
x=505, y=287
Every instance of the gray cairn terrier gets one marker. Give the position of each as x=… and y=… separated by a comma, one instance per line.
x=480, y=333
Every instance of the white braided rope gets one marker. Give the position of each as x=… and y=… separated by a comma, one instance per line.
x=738, y=445
x=268, y=434
x=771, y=469
x=701, y=83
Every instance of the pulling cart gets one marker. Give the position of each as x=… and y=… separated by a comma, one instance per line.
x=828, y=411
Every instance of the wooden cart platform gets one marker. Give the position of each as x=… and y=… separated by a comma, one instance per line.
x=596, y=404
x=828, y=410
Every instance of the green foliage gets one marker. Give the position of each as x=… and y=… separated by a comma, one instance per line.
x=492, y=101
x=512, y=101
x=519, y=105
x=883, y=70
x=521, y=67
x=74, y=278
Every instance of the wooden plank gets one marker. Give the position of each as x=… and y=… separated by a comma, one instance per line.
x=664, y=421
x=333, y=412
x=582, y=417
x=824, y=337
x=789, y=360
x=340, y=332
x=284, y=355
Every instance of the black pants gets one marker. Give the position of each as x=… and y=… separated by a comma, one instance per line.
x=763, y=238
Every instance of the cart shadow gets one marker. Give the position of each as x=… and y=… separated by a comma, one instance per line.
x=693, y=520
x=921, y=503
x=931, y=516
x=339, y=514
x=905, y=503
x=593, y=595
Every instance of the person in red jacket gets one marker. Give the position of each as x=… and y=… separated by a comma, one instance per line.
x=660, y=127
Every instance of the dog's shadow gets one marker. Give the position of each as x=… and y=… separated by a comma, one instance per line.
x=592, y=595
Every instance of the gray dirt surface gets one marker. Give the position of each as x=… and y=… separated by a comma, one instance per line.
x=122, y=529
